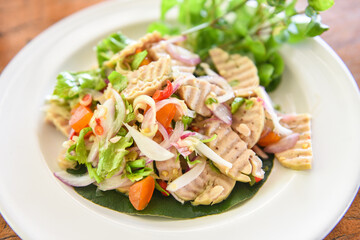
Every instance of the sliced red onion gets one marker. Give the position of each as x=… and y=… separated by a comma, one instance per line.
x=288, y=117
x=149, y=120
x=223, y=113
x=184, y=151
x=94, y=151
x=179, y=104
x=175, y=88
x=194, y=134
x=218, y=80
x=284, y=144
x=73, y=180
x=176, y=39
x=227, y=96
x=150, y=148
x=163, y=132
x=278, y=128
x=175, y=136
x=187, y=134
x=178, y=131
x=182, y=55
x=210, y=154
x=186, y=178
x=114, y=182
x=148, y=161
x=120, y=114
x=260, y=152
x=257, y=167
x=181, y=79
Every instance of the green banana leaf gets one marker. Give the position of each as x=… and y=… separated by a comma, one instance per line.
x=167, y=206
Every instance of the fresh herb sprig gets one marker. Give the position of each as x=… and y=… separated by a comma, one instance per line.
x=255, y=28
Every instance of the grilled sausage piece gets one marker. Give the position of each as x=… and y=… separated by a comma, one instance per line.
x=238, y=70
x=59, y=116
x=170, y=169
x=147, y=79
x=143, y=43
x=300, y=156
x=158, y=50
x=209, y=188
x=230, y=147
x=249, y=123
x=195, y=92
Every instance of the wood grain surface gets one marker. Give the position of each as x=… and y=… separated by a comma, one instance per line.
x=22, y=20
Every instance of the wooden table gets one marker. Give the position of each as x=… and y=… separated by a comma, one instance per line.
x=22, y=20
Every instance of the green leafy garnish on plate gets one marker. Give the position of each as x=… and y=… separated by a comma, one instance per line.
x=255, y=28
x=168, y=207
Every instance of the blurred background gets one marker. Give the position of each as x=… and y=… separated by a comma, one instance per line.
x=23, y=20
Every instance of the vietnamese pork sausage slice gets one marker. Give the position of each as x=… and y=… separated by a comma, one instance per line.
x=59, y=117
x=248, y=122
x=230, y=147
x=158, y=50
x=195, y=92
x=147, y=79
x=170, y=169
x=143, y=43
x=238, y=70
x=300, y=156
x=209, y=187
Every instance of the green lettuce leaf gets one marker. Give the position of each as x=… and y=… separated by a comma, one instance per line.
x=107, y=47
x=70, y=84
x=79, y=148
x=81, y=151
x=111, y=156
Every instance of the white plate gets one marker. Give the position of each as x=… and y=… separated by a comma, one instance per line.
x=291, y=205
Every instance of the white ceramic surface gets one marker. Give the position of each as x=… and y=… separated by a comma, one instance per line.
x=291, y=204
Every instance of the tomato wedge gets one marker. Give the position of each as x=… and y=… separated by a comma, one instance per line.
x=163, y=94
x=80, y=118
x=166, y=114
x=268, y=139
x=140, y=193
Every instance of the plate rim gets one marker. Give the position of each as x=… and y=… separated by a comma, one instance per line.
x=86, y=11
